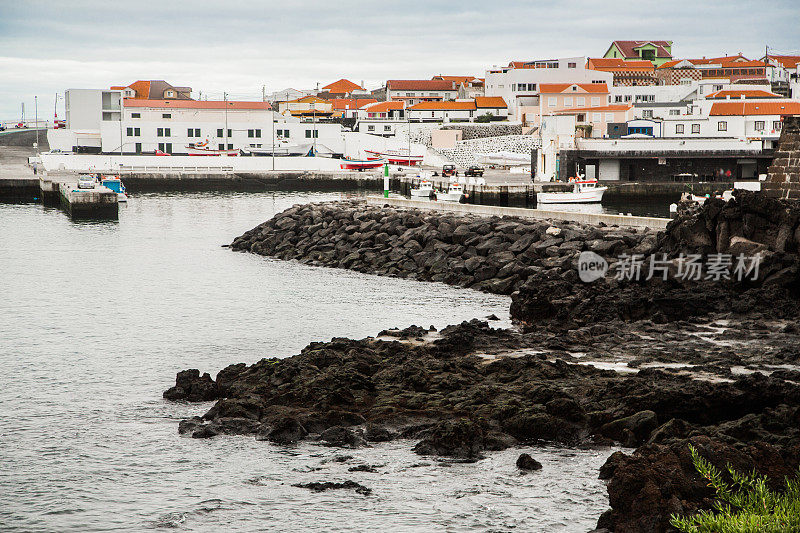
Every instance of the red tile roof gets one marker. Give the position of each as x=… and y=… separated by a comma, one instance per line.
x=742, y=93
x=342, y=86
x=785, y=107
x=490, y=101
x=786, y=61
x=628, y=48
x=420, y=85
x=458, y=80
x=193, y=104
x=553, y=88
x=383, y=107
x=444, y=106
x=141, y=88
x=351, y=103
x=619, y=107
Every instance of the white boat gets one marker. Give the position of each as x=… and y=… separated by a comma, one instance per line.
x=455, y=193
x=726, y=195
x=397, y=157
x=204, y=148
x=424, y=190
x=583, y=192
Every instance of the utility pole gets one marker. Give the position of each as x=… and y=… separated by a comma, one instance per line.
x=36, y=118
x=263, y=93
x=225, y=103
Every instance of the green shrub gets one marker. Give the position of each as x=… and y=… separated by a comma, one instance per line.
x=484, y=118
x=746, y=505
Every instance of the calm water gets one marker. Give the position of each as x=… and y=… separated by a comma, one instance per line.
x=87, y=443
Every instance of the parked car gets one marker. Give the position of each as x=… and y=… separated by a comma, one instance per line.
x=86, y=182
x=2, y=127
x=449, y=170
x=474, y=171
x=21, y=125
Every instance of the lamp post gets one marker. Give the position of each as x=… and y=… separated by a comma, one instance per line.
x=36, y=119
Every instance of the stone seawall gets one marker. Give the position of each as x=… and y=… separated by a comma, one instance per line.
x=491, y=254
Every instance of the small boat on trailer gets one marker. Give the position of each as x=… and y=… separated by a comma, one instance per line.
x=361, y=164
x=583, y=192
x=396, y=157
x=204, y=148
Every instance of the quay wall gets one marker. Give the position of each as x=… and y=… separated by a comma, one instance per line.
x=489, y=253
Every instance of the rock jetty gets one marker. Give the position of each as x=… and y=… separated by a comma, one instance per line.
x=698, y=358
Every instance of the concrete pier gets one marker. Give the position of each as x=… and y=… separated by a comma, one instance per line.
x=488, y=210
x=99, y=202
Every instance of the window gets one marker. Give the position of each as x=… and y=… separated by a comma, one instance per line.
x=674, y=112
x=647, y=113
x=230, y=132
x=230, y=147
x=628, y=98
x=136, y=115
x=387, y=128
x=581, y=101
x=138, y=148
x=581, y=117
x=221, y=146
x=759, y=125
x=552, y=101
x=722, y=125
x=696, y=128
x=160, y=133
x=679, y=129
x=130, y=132
x=618, y=98
x=609, y=117
x=167, y=132
x=597, y=117
x=161, y=147
x=308, y=134
x=777, y=125
x=169, y=148
x=220, y=133
x=137, y=132
x=568, y=101
x=258, y=134
x=166, y=115
x=571, y=65
x=370, y=128
x=595, y=101
x=283, y=133
x=250, y=133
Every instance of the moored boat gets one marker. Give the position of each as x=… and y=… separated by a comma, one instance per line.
x=583, y=192
x=455, y=193
x=425, y=190
x=115, y=184
x=361, y=164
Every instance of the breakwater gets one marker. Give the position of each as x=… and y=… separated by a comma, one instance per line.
x=492, y=254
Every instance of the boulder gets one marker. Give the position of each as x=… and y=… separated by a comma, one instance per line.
x=526, y=462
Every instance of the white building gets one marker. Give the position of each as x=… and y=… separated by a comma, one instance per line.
x=381, y=118
x=518, y=83
x=415, y=91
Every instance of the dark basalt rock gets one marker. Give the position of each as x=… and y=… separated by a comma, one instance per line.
x=321, y=486
x=192, y=387
x=285, y=430
x=526, y=462
x=460, y=439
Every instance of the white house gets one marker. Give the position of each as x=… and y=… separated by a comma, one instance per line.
x=381, y=118
x=415, y=91
x=461, y=111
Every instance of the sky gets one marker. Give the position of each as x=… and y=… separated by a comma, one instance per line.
x=238, y=47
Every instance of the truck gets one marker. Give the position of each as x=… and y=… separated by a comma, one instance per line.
x=449, y=170
x=475, y=171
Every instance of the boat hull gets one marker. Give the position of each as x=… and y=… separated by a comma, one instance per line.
x=421, y=193
x=397, y=159
x=352, y=164
x=583, y=197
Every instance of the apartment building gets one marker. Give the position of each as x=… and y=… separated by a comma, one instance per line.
x=519, y=82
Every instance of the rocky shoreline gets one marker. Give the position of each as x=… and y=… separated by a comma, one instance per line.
x=714, y=363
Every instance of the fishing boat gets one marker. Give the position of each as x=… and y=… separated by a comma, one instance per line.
x=583, y=192
x=396, y=157
x=204, y=148
x=726, y=195
x=425, y=190
x=455, y=193
x=115, y=184
x=361, y=164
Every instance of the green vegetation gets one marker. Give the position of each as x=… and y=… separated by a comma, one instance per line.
x=746, y=505
x=484, y=118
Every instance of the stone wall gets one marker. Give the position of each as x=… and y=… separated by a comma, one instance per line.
x=479, y=131
x=784, y=173
x=466, y=152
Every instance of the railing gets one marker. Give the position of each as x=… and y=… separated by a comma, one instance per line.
x=124, y=169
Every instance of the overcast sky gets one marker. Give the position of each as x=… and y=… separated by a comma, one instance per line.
x=237, y=46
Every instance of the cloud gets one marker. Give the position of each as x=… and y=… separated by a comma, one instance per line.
x=238, y=46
